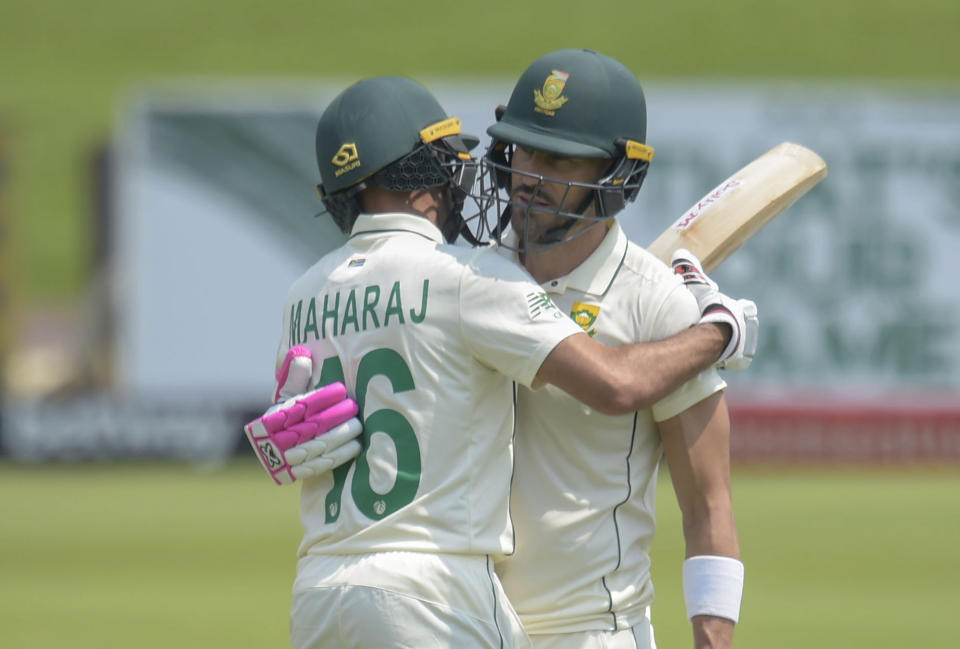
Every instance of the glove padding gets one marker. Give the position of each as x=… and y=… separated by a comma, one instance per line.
x=304, y=435
x=741, y=315
x=325, y=453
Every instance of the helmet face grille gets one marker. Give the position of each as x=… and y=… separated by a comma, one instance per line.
x=609, y=194
x=418, y=170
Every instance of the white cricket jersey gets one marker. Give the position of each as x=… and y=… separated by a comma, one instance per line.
x=584, y=489
x=428, y=338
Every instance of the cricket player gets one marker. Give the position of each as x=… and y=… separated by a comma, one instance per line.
x=568, y=153
x=430, y=339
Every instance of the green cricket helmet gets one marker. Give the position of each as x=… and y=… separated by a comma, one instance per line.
x=573, y=103
x=391, y=132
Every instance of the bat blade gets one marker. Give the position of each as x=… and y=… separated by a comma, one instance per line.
x=740, y=206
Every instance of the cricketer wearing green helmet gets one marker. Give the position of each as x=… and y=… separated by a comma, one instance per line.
x=391, y=132
x=432, y=340
x=568, y=152
x=570, y=104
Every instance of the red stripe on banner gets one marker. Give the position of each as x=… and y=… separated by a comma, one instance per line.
x=845, y=432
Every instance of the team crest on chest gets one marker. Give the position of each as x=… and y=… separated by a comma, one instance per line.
x=550, y=98
x=585, y=315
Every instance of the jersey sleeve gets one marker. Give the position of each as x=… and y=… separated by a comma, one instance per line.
x=508, y=321
x=689, y=394
x=677, y=312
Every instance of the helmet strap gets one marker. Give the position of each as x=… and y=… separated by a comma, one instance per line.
x=343, y=206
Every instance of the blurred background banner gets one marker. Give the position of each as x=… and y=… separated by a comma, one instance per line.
x=217, y=208
x=207, y=213
x=7, y=282
x=156, y=194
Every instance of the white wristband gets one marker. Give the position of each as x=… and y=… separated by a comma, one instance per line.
x=713, y=586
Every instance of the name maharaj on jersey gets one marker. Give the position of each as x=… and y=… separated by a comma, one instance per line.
x=351, y=311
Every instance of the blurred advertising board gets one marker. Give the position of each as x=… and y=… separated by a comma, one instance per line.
x=216, y=210
x=215, y=213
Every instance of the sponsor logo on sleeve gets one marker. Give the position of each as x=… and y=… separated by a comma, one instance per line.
x=540, y=305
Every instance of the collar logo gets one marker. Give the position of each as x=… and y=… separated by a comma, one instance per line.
x=550, y=99
x=585, y=315
x=347, y=159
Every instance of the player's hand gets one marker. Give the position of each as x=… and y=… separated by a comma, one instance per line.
x=306, y=433
x=741, y=315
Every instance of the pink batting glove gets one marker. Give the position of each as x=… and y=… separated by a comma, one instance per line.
x=298, y=419
x=294, y=375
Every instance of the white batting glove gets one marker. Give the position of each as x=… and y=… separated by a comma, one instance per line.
x=741, y=315
x=307, y=433
x=325, y=453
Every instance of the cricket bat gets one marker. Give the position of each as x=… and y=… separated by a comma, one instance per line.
x=735, y=210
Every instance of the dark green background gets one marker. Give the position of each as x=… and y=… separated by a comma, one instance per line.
x=66, y=66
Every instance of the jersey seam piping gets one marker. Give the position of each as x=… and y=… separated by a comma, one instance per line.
x=387, y=231
x=513, y=474
x=616, y=272
x=616, y=525
x=493, y=592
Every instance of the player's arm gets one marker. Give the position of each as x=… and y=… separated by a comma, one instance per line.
x=620, y=380
x=696, y=444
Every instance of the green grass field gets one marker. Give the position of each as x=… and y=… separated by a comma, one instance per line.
x=160, y=556
x=65, y=67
